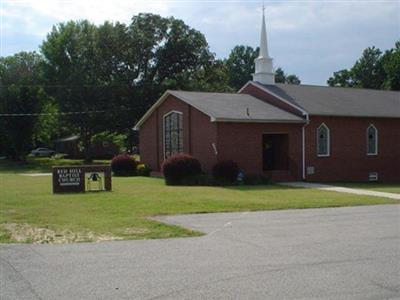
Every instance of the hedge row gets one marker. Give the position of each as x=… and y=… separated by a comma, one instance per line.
x=183, y=169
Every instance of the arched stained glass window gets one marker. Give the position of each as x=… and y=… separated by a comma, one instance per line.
x=323, y=140
x=173, y=133
x=372, y=140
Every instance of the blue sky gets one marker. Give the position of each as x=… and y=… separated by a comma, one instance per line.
x=309, y=38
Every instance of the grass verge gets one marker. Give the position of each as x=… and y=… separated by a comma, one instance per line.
x=29, y=212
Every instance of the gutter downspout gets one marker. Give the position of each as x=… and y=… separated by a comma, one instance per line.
x=303, y=141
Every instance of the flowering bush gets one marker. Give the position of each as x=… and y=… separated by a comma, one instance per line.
x=123, y=165
x=178, y=168
x=143, y=170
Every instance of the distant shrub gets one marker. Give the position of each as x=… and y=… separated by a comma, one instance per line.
x=179, y=168
x=253, y=179
x=225, y=172
x=143, y=170
x=123, y=165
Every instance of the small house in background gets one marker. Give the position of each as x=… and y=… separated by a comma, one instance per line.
x=100, y=149
x=104, y=149
x=68, y=145
x=287, y=132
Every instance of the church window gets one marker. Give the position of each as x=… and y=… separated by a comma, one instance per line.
x=323, y=140
x=173, y=133
x=372, y=140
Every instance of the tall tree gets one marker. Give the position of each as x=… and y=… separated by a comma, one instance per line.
x=72, y=71
x=20, y=93
x=282, y=77
x=367, y=72
x=341, y=78
x=121, y=69
x=391, y=68
x=374, y=69
x=240, y=65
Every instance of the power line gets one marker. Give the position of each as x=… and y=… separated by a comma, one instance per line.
x=54, y=114
x=117, y=110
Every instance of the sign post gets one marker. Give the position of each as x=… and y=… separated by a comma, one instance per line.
x=79, y=179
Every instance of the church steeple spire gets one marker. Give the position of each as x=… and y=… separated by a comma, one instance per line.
x=264, y=71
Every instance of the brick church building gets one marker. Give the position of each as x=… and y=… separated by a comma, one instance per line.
x=287, y=132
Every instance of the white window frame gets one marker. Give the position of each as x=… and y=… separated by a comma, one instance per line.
x=328, y=137
x=376, y=140
x=164, y=116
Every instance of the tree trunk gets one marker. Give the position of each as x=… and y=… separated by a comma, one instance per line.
x=86, y=139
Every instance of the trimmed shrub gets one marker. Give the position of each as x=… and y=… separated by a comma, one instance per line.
x=225, y=172
x=123, y=165
x=179, y=168
x=143, y=170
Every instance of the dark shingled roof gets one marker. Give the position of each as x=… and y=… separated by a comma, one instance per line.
x=235, y=107
x=336, y=101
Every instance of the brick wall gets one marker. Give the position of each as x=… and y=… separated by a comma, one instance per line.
x=242, y=142
x=198, y=134
x=348, y=160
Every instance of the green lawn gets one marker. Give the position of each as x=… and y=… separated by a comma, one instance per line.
x=374, y=186
x=31, y=213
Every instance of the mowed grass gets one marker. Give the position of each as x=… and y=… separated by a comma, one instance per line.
x=27, y=203
x=374, y=186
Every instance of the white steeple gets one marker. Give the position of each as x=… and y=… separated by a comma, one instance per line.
x=264, y=71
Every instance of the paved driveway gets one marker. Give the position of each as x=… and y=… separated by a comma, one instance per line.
x=338, y=253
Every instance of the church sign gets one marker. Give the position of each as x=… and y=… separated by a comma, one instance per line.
x=79, y=179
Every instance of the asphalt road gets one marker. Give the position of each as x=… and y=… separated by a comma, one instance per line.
x=338, y=253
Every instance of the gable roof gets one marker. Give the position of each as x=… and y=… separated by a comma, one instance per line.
x=336, y=101
x=228, y=107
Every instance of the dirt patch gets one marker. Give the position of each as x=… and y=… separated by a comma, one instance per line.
x=25, y=233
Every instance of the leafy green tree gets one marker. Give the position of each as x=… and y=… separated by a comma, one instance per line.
x=121, y=69
x=281, y=77
x=374, y=70
x=48, y=124
x=292, y=79
x=119, y=140
x=341, y=78
x=20, y=93
x=240, y=65
x=73, y=77
x=367, y=72
x=391, y=68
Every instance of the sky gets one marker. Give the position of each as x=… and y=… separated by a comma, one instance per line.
x=309, y=38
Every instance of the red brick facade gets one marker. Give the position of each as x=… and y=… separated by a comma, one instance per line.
x=198, y=135
x=348, y=160
x=242, y=142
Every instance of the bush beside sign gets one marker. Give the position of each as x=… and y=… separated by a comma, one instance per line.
x=78, y=179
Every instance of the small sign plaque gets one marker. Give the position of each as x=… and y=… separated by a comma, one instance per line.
x=72, y=179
